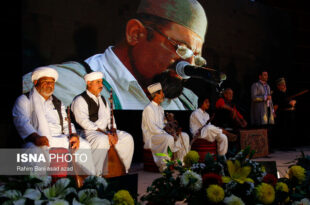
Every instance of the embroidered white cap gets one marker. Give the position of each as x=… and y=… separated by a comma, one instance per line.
x=93, y=76
x=44, y=72
x=154, y=87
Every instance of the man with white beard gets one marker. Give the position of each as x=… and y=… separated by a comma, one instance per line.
x=41, y=119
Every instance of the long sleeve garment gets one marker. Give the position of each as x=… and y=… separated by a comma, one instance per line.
x=157, y=139
x=127, y=89
x=198, y=120
x=98, y=140
x=261, y=108
x=35, y=114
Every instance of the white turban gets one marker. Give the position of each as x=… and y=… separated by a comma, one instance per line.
x=44, y=72
x=154, y=87
x=93, y=76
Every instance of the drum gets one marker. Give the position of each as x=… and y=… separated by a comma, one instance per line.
x=203, y=147
x=148, y=161
x=58, y=164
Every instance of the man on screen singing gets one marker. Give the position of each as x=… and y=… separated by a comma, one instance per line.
x=162, y=33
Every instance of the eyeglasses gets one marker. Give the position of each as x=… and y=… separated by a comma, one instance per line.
x=182, y=50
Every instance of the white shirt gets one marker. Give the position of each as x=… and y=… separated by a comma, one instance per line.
x=198, y=119
x=124, y=84
x=152, y=121
x=131, y=96
x=80, y=109
x=22, y=116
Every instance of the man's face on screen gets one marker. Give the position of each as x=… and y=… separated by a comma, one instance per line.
x=155, y=55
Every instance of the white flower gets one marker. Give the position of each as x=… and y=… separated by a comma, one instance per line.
x=233, y=200
x=304, y=201
x=190, y=176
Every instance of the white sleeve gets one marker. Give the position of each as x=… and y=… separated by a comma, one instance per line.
x=148, y=117
x=80, y=109
x=104, y=116
x=194, y=123
x=22, y=117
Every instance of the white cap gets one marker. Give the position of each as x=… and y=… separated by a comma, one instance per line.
x=44, y=72
x=93, y=76
x=154, y=87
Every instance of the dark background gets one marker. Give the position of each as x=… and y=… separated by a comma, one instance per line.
x=242, y=37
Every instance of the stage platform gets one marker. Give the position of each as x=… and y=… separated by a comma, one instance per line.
x=283, y=160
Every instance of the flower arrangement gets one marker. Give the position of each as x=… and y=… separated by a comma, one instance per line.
x=236, y=181
x=40, y=190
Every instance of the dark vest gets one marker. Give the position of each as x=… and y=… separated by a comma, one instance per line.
x=93, y=108
x=57, y=105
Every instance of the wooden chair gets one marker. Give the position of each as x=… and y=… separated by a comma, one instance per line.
x=203, y=146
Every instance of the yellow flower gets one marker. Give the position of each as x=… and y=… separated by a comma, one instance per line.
x=215, y=193
x=280, y=186
x=190, y=158
x=265, y=193
x=123, y=197
x=297, y=172
x=237, y=173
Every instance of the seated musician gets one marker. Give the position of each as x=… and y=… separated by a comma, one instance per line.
x=227, y=115
x=41, y=120
x=153, y=127
x=201, y=127
x=93, y=114
x=229, y=118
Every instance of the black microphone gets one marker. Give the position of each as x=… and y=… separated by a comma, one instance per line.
x=186, y=70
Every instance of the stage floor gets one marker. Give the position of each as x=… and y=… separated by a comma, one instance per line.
x=283, y=160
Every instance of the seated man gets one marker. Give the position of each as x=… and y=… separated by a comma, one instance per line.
x=202, y=128
x=227, y=115
x=92, y=113
x=41, y=119
x=153, y=127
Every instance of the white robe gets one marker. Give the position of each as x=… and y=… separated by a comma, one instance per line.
x=35, y=114
x=198, y=119
x=99, y=141
x=157, y=139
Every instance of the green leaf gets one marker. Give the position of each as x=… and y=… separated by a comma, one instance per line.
x=98, y=201
x=39, y=202
x=12, y=194
x=75, y=202
x=61, y=184
x=161, y=155
x=170, y=152
x=32, y=194
x=58, y=202
x=40, y=181
x=69, y=190
x=50, y=192
x=2, y=188
x=86, y=194
x=21, y=201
